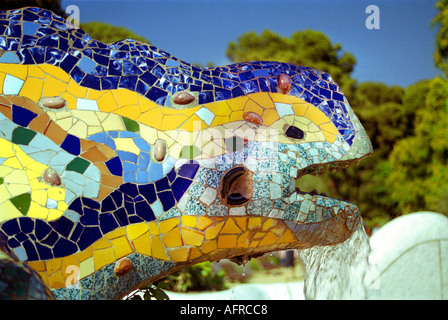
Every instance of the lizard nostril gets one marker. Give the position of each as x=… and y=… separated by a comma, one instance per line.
x=237, y=186
x=294, y=132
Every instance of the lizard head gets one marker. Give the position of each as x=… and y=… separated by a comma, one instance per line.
x=291, y=121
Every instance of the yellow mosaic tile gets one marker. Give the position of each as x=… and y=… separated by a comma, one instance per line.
x=85, y=254
x=243, y=240
x=268, y=239
x=189, y=221
x=56, y=280
x=37, y=265
x=173, y=238
x=9, y=211
x=2, y=80
x=38, y=211
x=32, y=89
x=204, y=223
x=68, y=264
x=213, y=231
x=153, y=229
x=220, y=108
x=116, y=233
x=329, y=136
x=209, y=246
x=192, y=237
x=134, y=231
x=53, y=265
x=300, y=108
x=153, y=117
x=220, y=120
x=125, y=97
x=158, y=250
x=270, y=116
x=36, y=72
x=194, y=253
x=107, y=103
x=263, y=99
x=254, y=223
x=230, y=227
x=17, y=70
x=142, y=244
x=236, y=116
x=103, y=257
x=101, y=244
x=179, y=255
x=145, y=104
x=54, y=71
x=287, y=236
x=173, y=121
x=94, y=94
x=193, y=123
x=284, y=98
x=317, y=116
x=53, y=87
x=121, y=247
x=252, y=106
x=237, y=104
x=86, y=268
x=131, y=111
x=167, y=225
x=227, y=241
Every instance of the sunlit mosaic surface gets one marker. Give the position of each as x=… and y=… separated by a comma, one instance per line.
x=120, y=163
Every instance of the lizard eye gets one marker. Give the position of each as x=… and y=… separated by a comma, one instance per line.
x=294, y=133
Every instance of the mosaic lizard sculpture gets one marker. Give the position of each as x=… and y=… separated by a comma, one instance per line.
x=120, y=163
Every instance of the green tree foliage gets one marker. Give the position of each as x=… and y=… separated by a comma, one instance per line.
x=364, y=184
x=307, y=48
x=441, y=22
x=107, y=33
x=419, y=176
x=419, y=163
x=199, y=277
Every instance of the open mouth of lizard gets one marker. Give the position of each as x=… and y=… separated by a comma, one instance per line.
x=237, y=190
x=236, y=186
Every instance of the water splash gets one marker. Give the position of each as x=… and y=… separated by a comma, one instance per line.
x=337, y=271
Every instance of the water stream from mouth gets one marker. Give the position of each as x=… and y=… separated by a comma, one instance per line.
x=337, y=272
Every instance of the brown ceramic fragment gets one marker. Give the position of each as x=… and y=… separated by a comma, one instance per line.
x=51, y=177
x=6, y=110
x=111, y=181
x=53, y=102
x=123, y=267
x=55, y=133
x=94, y=155
x=87, y=144
x=284, y=83
x=40, y=123
x=253, y=117
x=32, y=106
x=184, y=98
x=160, y=150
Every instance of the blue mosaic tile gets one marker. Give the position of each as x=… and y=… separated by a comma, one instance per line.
x=139, y=67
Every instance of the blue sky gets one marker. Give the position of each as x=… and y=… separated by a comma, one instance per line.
x=399, y=53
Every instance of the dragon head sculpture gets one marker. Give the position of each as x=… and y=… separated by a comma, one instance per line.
x=120, y=163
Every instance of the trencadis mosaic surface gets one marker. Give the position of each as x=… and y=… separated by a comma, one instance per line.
x=120, y=163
